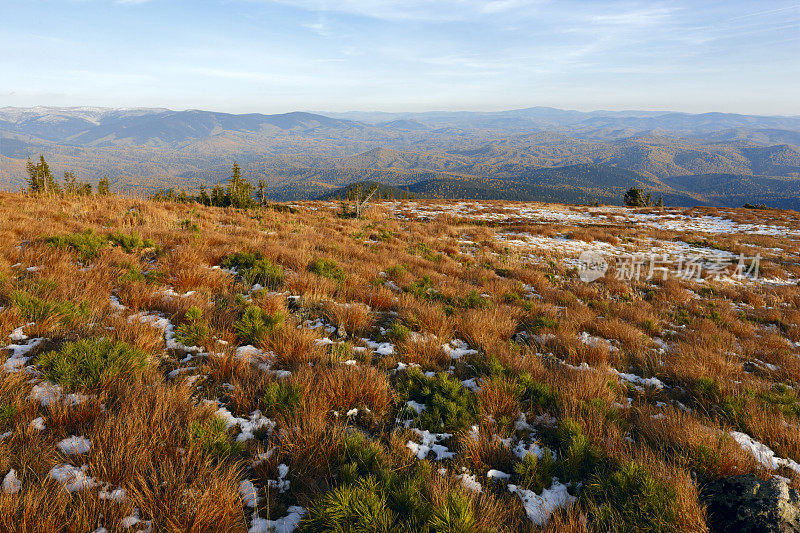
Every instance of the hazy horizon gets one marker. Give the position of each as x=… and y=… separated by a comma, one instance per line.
x=324, y=112
x=272, y=56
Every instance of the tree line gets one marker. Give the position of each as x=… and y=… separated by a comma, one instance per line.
x=239, y=193
x=40, y=180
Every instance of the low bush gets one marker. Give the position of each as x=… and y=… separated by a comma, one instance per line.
x=91, y=364
x=7, y=414
x=535, y=473
x=376, y=495
x=212, y=438
x=631, y=499
x=327, y=268
x=577, y=456
x=280, y=399
x=130, y=242
x=351, y=508
x=194, y=330
x=41, y=311
x=86, y=245
x=449, y=405
x=256, y=324
x=255, y=268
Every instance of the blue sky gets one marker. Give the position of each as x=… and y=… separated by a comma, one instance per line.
x=402, y=55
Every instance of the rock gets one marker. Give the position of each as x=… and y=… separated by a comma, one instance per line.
x=747, y=503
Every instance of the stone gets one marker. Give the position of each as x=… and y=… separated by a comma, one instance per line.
x=747, y=503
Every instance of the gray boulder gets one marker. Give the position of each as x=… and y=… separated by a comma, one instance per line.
x=748, y=503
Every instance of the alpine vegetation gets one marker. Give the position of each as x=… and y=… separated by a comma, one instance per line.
x=417, y=366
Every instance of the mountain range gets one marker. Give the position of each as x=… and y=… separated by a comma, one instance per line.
x=528, y=154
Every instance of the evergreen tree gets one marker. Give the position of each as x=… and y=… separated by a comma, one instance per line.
x=240, y=191
x=660, y=202
x=203, y=197
x=218, y=197
x=260, y=193
x=635, y=197
x=103, y=187
x=70, y=185
x=40, y=179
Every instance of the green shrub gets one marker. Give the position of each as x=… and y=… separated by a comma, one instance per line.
x=535, y=473
x=280, y=399
x=255, y=268
x=422, y=288
x=189, y=225
x=327, y=268
x=535, y=393
x=631, y=499
x=577, y=457
x=212, y=437
x=449, y=405
x=38, y=310
x=784, y=397
x=358, y=508
x=91, y=364
x=511, y=297
x=544, y=322
x=7, y=414
x=454, y=515
x=86, y=245
x=130, y=242
x=397, y=332
x=473, y=300
x=395, y=272
x=194, y=330
x=256, y=324
x=132, y=274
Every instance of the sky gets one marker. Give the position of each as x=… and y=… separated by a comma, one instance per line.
x=272, y=56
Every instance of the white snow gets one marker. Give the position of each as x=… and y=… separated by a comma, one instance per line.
x=471, y=384
x=11, y=483
x=595, y=342
x=381, y=348
x=522, y=450
x=115, y=304
x=249, y=493
x=133, y=520
x=72, y=478
x=38, y=423
x=417, y=407
x=19, y=334
x=48, y=393
x=470, y=482
x=539, y=507
x=282, y=484
x=497, y=474
x=763, y=453
x=247, y=426
x=118, y=495
x=638, y=380
x=74, y=445
x=430, y=444
x=19, y=352
x=456, y=349
x=248, y=352
x=287, y=524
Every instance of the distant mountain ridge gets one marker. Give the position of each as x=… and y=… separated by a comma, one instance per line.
x=539, y=152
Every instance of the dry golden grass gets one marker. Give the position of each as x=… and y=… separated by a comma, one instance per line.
x=725, y=353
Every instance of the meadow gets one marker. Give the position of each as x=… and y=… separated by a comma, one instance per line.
x=433, y=366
